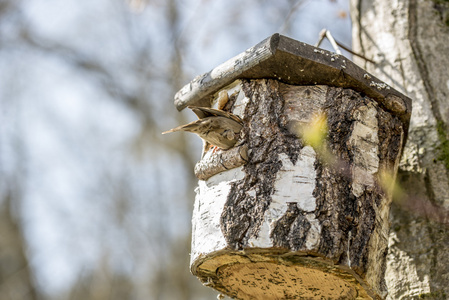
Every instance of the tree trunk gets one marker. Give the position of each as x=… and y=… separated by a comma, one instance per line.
x=15, y=273
x=408, y=40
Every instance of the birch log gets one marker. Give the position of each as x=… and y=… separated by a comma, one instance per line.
x=292, y=220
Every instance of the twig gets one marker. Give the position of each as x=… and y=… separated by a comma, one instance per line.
x=335, y=44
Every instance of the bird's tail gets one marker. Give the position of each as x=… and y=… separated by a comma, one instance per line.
x=186, y=127
x=168, y=131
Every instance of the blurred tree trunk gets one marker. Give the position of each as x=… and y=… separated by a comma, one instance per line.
x=408, y=40
x=15, y=275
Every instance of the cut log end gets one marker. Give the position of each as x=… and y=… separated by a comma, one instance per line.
x=266, y=275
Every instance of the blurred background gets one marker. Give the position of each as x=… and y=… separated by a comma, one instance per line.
x=94, y=202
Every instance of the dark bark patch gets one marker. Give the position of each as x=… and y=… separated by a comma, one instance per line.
x=266, y=138
x=298, y=233
x=282, y=227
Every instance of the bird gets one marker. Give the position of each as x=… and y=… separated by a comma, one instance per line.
x=216, y=127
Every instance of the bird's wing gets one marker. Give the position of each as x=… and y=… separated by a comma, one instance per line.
x=203, y=112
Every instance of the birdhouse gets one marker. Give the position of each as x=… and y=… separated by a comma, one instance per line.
x=297, y=206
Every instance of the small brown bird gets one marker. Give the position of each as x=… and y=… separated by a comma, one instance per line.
x=214, y=126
